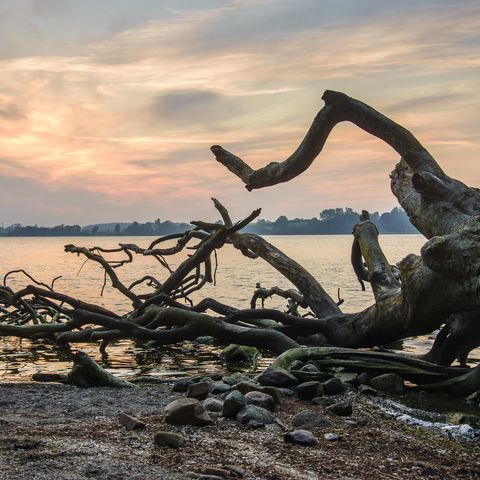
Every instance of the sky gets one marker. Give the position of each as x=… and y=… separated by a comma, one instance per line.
x=108, y=109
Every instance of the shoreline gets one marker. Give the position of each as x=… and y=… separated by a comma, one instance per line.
x=55, y=431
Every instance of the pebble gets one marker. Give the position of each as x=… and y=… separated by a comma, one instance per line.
x=260, y=399
x=213, y=405
x=234, y=402
x=341, y=408
x=252, y=412
x=331, y=437
x=169, y=439
x=300, y=437
x=198, y=390
x=187, y=411
x=130, y=423
x=309, y=390
x=334, y=386
x=219, y=388
x=310, y=419
x=389, y=383
x=277, y=377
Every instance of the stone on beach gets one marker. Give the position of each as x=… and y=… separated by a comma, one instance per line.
x=187, y=411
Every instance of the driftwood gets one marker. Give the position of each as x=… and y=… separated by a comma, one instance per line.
x=437, y=289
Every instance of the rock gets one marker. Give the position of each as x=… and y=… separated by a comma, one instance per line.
x=348, y=377
x=246, y=387
x=334, y=386
x=219, y=388
x=130, y=423
x=474, y=397
x=355, y=422
x=364, y=378
x=205, y=340
x=198, y=390
x=219, y=472
x=181, y=386
x=260, y=399
x=234, y=402
x=388, y=382
x=216, y=377
x=331, y=437
x=277, y=377
x=366, y=390
x=310, y=419
x=296, y=365
x=287, y=392
x=343, y=409
x=309, y=390
x=169, y=439
x=239, y=354
x=213, y=405
x=254, y=424
x=252, y=412
x=301, y=437
x=324, y=401
x=462, y=419
x=310, y=368
x=236, y=470
x=187, y=411
x=210, y=477
x=317, y=340
x=232, y=379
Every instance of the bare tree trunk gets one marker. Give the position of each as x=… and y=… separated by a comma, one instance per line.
x=441, y=286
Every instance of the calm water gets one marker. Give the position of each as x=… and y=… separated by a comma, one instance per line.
x=326, y=257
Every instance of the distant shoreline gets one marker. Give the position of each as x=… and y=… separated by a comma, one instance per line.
x=112, y=235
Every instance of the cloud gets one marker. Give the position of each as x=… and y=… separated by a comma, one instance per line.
x=126, y=111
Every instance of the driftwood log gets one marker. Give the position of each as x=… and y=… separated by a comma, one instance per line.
x=439, y=288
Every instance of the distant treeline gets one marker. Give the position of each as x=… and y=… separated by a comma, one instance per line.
x=334, y=221
x=330, y=221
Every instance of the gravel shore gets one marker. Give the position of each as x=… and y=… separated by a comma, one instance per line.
x=55, y=431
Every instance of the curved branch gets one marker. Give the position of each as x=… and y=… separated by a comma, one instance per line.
x=435, y=203
x=338, y=108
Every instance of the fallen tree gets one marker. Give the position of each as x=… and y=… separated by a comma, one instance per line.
x=438, y=289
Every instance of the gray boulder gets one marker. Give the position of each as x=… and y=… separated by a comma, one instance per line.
x=198, y=390
x=256, y=414
x=240, y=354
x=310, y=419
x=343, y=409
x=246, y=387
x=260, y=399
x=187, y=411
x=309, y=390
x=181, y=386
x=334, y=386
x=220, y=387
x=388, y=382
x=234, y=402
x=366, y=390
x=310, y=368
x=301, y=437
x=168, y=439
x=277, y=377
x=213, y=405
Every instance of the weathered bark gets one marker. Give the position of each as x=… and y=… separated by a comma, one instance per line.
x=443, y=281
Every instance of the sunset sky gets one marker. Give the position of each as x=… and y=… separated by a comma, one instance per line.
x=108, y=108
